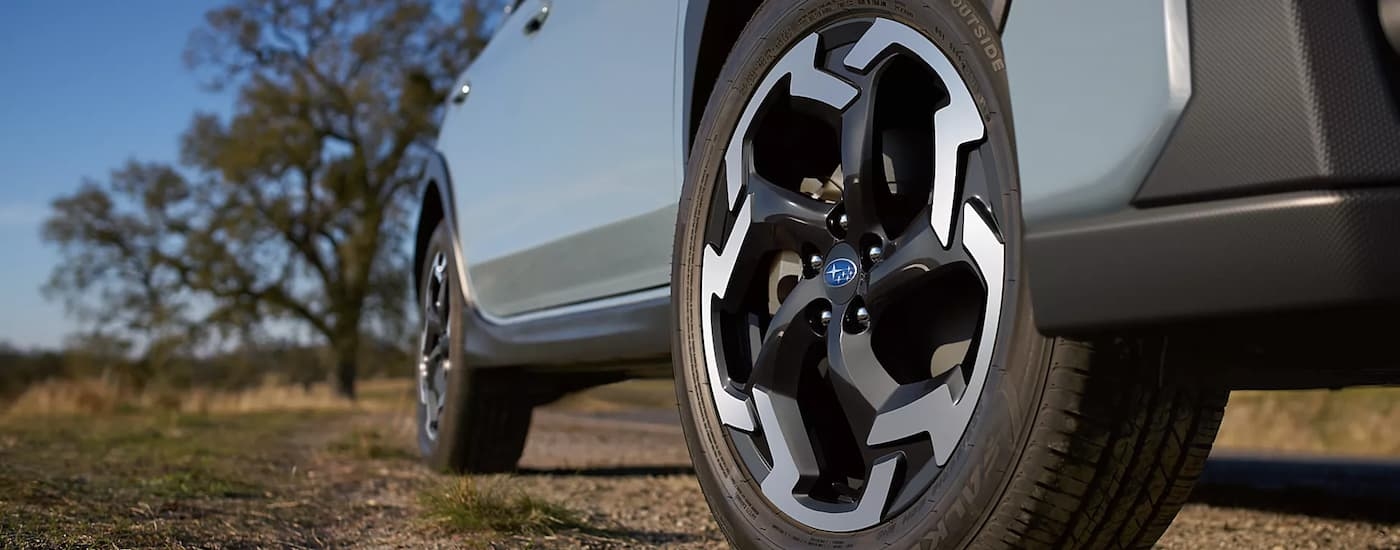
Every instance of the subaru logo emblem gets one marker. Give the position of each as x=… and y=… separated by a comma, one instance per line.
x=839, y=272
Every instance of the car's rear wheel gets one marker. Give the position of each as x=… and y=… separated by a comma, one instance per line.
x=855, y=355
x=469, y=420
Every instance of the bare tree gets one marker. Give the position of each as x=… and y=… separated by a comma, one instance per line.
x=298, y=205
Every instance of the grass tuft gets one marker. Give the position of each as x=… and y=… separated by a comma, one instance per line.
x=470, y=505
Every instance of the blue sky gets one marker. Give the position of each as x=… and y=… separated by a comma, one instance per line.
x=84, y=86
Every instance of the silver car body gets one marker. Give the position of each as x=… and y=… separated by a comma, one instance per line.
x=567, y=155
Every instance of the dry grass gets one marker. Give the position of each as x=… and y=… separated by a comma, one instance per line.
x=145, y=479
x=69, y=397
x=1356, y=421
x=375, y=444
x=490, y=505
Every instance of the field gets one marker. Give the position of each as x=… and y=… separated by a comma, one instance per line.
x=279, y=467
x=283, y=467
x=1354, y=422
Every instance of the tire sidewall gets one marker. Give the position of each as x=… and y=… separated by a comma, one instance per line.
x=957, y=503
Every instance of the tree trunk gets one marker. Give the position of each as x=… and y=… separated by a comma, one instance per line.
x=347, y=352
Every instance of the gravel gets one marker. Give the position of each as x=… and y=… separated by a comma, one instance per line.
x=629, y=474
x=1204, y=527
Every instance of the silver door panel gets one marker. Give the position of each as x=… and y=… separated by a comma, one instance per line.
x=566, y=155
x=531, y=280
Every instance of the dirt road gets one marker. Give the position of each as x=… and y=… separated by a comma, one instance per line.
x=619, y=456
x=347, y=478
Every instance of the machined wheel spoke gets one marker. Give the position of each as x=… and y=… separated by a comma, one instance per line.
x=435, y=304
x=439, y=350
x=425, y=392
x=790, y=334
x=433, y=320
x=975, y=185
x=793, y=219
x=434, y=310
x=796, y=443
x=916, y=255
x=741, y=261
x=858, y=165
x=854, y=367
x=774, y=219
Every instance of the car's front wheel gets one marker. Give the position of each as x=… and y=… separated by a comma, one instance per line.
x=856, y=361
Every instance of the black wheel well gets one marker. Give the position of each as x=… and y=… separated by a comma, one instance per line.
x=724, y=20
x=428, y=217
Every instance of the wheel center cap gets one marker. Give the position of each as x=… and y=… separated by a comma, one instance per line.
x=841, y=273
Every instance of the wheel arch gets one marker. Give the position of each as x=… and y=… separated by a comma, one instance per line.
x=435, y=194
x=711, y=28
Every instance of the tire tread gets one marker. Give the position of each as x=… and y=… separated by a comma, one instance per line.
x=498, y=422
x=1113, y=455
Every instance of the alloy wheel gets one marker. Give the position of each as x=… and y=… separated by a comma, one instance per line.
x=853, y=276
x=434, y=360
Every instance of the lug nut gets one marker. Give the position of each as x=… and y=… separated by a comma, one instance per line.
x=843, y=221
x=824, y=317
x=875, y=254
x=814, y=262
x=862, y=316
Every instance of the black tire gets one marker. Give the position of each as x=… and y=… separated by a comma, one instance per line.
x=1113, y=453
x=1071, y=445
x=484, y=420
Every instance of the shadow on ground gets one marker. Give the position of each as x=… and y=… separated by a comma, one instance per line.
x=1333, y=487
x=618, y=471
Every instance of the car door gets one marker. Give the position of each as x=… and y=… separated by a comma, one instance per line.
x=566, y=154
